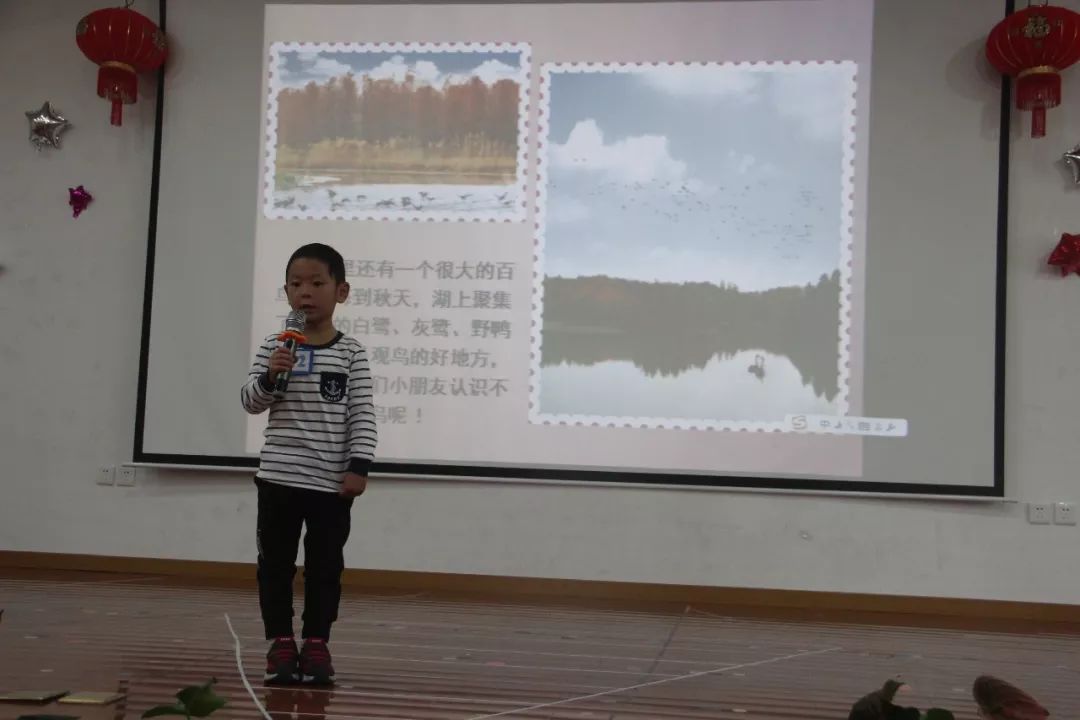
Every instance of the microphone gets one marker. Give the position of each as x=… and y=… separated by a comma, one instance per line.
x=292, y=336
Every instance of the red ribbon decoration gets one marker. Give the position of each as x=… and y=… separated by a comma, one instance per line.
x=78, y=199
x=1067, y=254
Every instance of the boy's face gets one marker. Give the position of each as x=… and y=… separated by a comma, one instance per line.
x=310, y=287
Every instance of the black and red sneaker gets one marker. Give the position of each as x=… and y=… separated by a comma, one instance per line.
x=316, y=667
x=282, y=662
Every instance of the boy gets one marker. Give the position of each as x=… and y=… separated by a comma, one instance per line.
x=320, y=441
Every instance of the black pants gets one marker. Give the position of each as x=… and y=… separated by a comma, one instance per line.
x=282, y=513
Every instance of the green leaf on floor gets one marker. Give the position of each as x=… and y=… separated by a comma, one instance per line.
x=195, y=701
x=201, y=700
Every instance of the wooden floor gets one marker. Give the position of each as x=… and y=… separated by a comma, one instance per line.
x=428, y=658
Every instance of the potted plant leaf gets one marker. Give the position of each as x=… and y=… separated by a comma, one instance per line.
x=197, y=701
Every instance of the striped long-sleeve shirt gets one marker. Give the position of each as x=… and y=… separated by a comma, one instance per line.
x=325, y=424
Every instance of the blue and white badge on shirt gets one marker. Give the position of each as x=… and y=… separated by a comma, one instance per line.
x=305, y=361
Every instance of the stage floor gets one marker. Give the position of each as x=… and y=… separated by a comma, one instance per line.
x=418, y=656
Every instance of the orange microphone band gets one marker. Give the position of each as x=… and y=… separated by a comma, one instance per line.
x=290, y=335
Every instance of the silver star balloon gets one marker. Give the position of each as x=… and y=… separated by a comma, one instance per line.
x=46, y=126
x=1072, y=159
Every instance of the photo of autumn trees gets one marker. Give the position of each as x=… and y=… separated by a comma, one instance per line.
x=400, y=129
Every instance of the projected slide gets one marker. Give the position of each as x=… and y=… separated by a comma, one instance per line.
x=695, y=245
x=573, y=247
x=396, y=131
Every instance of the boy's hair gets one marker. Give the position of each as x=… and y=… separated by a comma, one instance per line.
x=325, y=254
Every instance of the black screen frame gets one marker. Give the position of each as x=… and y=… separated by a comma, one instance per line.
x=622, y=477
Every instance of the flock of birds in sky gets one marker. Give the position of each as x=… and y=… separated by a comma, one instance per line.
x=725, y=209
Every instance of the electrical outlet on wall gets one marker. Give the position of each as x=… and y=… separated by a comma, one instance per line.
x=1039, y=513
x=106, y=475
x=1065, y=513
x=125, y=476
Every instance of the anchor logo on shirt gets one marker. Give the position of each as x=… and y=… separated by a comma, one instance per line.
x=332, y=386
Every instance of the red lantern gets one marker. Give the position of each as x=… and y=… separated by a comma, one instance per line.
x=123, y=43
x=1033, y=46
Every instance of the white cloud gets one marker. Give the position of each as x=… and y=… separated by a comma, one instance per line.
x=426, y=72
x=741, y=163
x=746, y=164
x=644, y=158
x=491, y=71
x=393, y=69
x=314, y=67
x=318, y=68
x=704, y=80
x=815, y=97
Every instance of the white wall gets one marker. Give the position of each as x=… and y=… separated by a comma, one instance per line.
x=70, y=311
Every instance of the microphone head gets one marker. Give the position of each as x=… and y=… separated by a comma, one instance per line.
x=296, y=321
